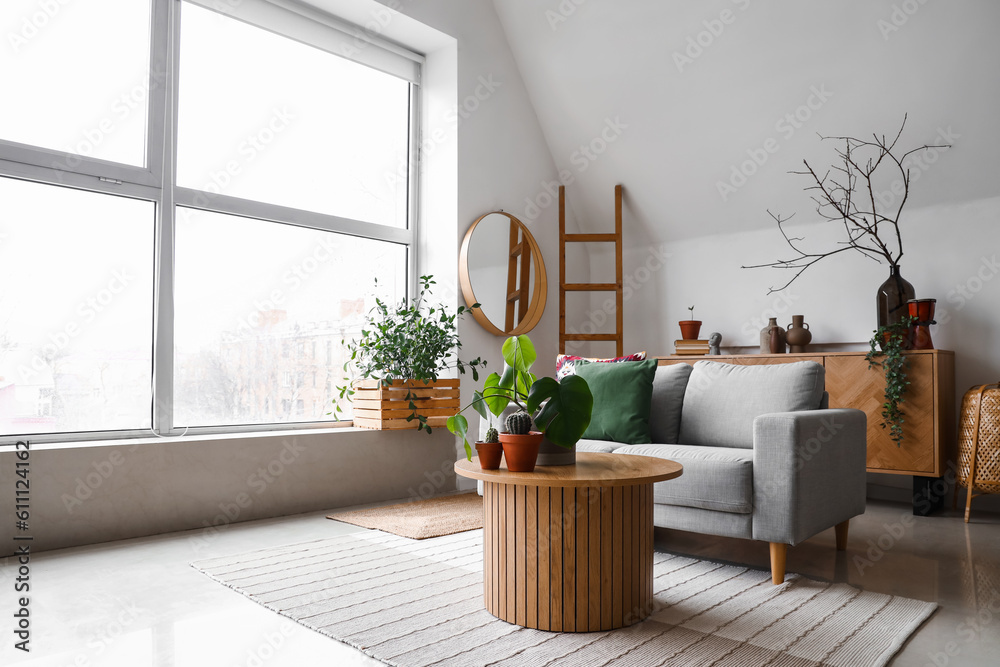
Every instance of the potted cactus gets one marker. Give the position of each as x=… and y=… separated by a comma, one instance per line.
x=490, y=450
x=520, y=443
x=560, y=410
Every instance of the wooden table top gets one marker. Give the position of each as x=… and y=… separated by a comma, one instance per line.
x=591, y=469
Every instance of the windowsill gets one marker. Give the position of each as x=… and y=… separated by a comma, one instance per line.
x=194, y=437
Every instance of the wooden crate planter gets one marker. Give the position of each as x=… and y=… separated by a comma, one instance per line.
x=384, y=407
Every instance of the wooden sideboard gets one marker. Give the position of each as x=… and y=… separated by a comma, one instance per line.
x=929, y=427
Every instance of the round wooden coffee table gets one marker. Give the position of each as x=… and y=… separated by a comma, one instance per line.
x=570, y=548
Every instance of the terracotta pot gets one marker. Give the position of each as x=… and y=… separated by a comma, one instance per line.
x=690, y=329
x=490, y=454
x=521, y=451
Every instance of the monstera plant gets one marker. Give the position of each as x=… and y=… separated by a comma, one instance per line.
x=561, y=409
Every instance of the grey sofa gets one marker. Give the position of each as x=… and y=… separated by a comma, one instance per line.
x=763, y=456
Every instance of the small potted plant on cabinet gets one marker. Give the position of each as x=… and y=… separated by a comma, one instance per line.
x=560, y=410
x=690, y=328
x=397, y=360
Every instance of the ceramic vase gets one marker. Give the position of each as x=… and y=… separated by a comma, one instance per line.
x=765, y=337
x=551, y=454
x=798, y=335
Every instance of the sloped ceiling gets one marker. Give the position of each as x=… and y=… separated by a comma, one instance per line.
x=684, y=92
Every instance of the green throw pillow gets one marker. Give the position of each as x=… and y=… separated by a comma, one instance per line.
x=622, y=394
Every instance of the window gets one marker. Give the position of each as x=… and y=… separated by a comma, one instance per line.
x=75, y=311
x=255, y=124
x=77, y=111
x=138, y=302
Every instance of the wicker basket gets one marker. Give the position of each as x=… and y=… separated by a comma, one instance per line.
x=979, y=443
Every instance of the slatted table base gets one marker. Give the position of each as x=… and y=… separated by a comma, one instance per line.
x=568, y=559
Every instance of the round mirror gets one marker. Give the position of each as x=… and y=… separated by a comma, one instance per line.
x=501, y=269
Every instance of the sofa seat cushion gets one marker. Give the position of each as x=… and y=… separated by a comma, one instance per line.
x=721, y=401
x=601, y=446
x=714, y=478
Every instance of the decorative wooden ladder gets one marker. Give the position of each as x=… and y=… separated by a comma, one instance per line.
x=615, y=287
x=518, y=277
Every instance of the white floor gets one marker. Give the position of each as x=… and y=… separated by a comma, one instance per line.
x=138, y=603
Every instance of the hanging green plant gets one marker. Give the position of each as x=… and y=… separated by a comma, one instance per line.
x=887, y=346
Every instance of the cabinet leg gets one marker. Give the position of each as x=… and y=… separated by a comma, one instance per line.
x=928, y=495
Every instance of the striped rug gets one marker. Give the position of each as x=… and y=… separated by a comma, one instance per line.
x=416, y=603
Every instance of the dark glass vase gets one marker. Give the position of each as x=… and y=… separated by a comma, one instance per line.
x=892, y=297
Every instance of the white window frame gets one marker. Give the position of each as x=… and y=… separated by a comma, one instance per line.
x=157, y=181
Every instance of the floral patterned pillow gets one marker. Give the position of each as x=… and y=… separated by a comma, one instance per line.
x=566, y=363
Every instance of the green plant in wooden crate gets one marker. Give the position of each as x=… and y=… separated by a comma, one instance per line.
x=411, y=341
x=561, y=410
x=888, y=343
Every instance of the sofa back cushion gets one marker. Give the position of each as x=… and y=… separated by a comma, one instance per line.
x=668, y=397
x=721, y=401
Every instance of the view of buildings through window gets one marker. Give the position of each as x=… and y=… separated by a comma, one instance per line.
x=289, y=202
x=261, y=310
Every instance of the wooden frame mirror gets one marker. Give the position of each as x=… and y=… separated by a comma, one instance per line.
x=500, y=267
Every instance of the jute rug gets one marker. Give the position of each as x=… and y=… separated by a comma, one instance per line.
x=421, y=519
x=414, y=604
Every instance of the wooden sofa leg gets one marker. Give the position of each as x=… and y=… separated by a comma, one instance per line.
x=778, y=553
x=841, y=529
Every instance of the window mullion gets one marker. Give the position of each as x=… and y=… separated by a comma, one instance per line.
x=163, y=134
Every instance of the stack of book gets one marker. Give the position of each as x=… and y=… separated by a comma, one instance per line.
x=691, y=347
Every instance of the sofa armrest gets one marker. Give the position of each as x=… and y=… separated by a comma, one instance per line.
x=808, y=472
